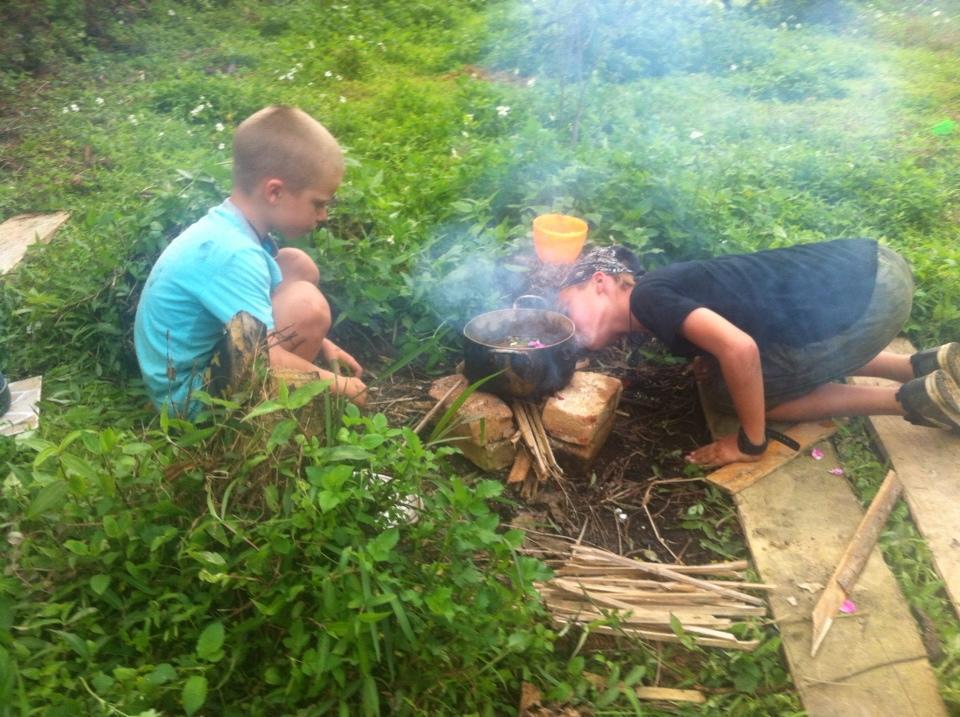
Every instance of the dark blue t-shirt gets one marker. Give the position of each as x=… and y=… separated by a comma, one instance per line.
x=794, y=296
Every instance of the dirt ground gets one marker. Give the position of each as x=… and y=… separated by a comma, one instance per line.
x=633, y=498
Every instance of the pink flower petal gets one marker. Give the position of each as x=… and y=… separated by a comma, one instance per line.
x=848, y=607
x=816, y=454
x=836, y=471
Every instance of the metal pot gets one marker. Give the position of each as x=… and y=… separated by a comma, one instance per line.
x=528, y=371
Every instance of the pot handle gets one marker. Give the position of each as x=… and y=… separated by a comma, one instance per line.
x=535, y=297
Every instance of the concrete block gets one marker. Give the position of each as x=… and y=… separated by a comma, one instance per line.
x=577, y=413
x=582, y=455
x=482, y=419
x=494, y=456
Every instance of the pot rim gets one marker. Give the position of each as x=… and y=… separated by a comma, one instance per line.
x=568, y=321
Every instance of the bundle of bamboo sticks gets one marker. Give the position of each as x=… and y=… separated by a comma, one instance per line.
x=536, y=449
x=593, y=584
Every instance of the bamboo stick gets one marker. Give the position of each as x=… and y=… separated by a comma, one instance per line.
x=666, y=572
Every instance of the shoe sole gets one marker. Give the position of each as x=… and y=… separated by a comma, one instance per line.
x=945, y=393
x=948, y=359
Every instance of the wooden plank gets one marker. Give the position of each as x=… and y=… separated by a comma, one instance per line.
x=798, y=521
x=854, y=558
x=17, y=233
x=926, y=461
x=668, y=694
x=23, y=414
x=734, y=477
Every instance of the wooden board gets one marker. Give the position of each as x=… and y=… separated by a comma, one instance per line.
x=798, y=521
x=927, y=462
x=17, y=233
x=734, y=477
x=24, y=415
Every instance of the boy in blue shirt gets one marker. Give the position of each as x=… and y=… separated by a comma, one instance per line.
x=286, y=169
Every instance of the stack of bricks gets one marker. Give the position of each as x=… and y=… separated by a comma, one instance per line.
x=484, y=424
x=578, y=419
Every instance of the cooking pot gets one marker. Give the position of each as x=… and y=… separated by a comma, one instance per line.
x=533, y=348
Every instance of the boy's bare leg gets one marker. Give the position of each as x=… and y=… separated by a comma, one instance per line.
x=301, y=318
x=839, y=399
x=887, y=364
x=296, y=265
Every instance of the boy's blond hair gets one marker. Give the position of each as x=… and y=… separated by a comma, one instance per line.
x=286, y=143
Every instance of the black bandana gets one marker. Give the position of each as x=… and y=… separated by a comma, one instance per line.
x=602, y=258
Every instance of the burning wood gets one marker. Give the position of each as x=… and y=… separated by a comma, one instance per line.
x=593, y=584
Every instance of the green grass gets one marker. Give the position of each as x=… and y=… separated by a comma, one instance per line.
x=684, y=133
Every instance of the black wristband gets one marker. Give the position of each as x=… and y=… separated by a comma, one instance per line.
x=750, y=449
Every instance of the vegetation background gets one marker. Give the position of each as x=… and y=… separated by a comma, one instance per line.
x=246, y=565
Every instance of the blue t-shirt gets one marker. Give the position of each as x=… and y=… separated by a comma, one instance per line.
x=214, y=269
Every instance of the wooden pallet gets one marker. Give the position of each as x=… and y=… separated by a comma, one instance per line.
x=798, y=520
x=18, y=233
x=927, y=462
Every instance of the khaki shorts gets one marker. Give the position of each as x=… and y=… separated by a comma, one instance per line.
x=793, y=371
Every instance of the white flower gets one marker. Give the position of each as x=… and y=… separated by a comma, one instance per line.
x=552, y=117
x=342, y=99
x=311, y=45
x=389, y=239
x=733, y=67
x=161, y=133
x=73, y=107
x=65, y=110
x=531, y=82
x=339, y=77
x=696, y=134
x=221, y=146
x=133, y=119
x=219, y=127
x=197, y=110
x=171, y=13
x=936, y=13
x=328, y=73
x=454, y=153
x=464, y=133
x=503, y=110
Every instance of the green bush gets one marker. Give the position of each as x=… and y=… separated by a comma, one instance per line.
x=252, y=568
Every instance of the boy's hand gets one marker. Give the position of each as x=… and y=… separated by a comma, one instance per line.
x=720, y=453
x=333, y=355
x=352, y=389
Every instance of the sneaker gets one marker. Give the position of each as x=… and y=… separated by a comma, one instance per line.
x=946, y=357
x=932, y=400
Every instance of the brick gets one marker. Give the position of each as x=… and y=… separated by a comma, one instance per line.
x=583, y=455
x=439, y=388
x=494, y=456
x=578, y=412
x=482, y=419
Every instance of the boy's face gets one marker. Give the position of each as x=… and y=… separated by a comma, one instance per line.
x=294, y=214
x=590, y=308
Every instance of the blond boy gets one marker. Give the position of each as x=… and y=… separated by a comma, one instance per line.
x=286, y=169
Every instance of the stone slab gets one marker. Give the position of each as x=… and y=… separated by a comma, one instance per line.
x=798, y=521
x=24, y=413
x=926, y=462
x=19, y=232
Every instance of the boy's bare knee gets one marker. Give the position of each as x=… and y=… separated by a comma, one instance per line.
x=296, y=265
x=301, y=315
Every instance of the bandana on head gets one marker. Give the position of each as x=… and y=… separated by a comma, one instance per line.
x=601, y=258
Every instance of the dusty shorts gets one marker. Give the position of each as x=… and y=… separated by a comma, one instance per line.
x=793, y=371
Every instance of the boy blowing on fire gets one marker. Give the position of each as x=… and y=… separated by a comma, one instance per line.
x=771, y=333
x=286, y=169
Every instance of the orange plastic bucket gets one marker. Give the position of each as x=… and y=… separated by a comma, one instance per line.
x=558, y=238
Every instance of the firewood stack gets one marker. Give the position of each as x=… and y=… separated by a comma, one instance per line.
x=645, y=598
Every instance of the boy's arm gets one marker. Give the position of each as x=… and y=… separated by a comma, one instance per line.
x=352, y=388
x=739, y=360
